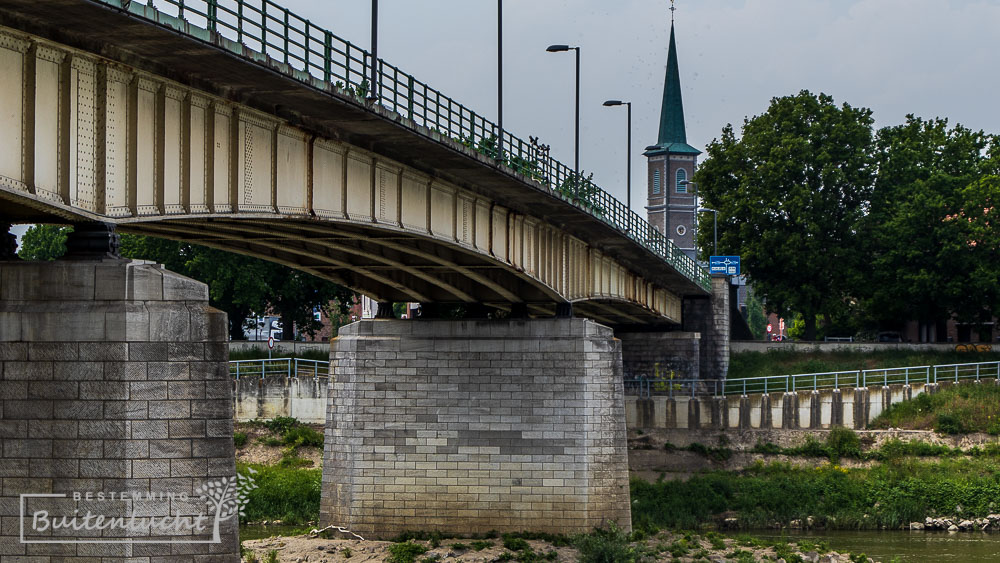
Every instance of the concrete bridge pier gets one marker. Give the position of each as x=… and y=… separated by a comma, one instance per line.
x=471, y=426
x=112, y=380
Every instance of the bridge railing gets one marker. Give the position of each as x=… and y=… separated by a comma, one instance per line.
x=311, y=52
x=647, y=387
x=279, y=367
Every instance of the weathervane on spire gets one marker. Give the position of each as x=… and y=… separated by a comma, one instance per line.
x=672, y=10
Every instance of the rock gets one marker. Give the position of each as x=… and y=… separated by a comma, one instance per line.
x=953, y=528
x=929, y=522
x=795, y=524
x=828, y=559
x=731, y=523
x=916, y=526
x=809, y=521
x=810, y=557
x=993, y=517
x=965, y=525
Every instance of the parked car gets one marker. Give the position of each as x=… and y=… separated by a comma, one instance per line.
x=889, y=337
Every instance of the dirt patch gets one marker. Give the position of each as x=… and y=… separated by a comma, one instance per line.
x=665, y=546
x=256, y=451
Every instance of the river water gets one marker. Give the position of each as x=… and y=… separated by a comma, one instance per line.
x=908, y=546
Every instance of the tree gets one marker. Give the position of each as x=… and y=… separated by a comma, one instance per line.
x=789, y=193
x=914, y=237
x=43, y=242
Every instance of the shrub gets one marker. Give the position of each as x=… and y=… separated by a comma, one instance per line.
x=480, y=545
x=239, y=439
x=843, y=442
x=302, y=436
x=949, y=423
x=281, y=424
x=515, y=544
x=606, y=546
x=405, y=552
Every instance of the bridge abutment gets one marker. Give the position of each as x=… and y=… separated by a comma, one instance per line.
x=114, y=380
x=472, y=426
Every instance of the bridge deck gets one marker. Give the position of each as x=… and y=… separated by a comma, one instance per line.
x=178, y=50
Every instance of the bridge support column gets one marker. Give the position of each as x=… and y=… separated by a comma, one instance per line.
x=660, y=354
x=113, y=379
x=710, y=318
x=471, y=426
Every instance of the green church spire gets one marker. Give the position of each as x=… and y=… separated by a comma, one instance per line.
x=673, y=137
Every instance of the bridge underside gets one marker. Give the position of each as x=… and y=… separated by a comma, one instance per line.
x=388, y=266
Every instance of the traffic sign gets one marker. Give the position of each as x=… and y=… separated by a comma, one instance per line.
x=726, y=265
x=270, y=342
x=769, y=328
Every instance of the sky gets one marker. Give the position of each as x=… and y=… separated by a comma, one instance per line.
x=930, y=58
x=936, y=58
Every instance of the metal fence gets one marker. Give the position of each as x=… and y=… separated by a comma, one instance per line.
x=647, y=387
x=313, y=53
x=279, y=367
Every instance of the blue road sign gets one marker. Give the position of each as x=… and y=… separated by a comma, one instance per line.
x=728, y=265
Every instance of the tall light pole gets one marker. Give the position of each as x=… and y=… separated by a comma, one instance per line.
x=628, y=151
x=576, y=158
x=374, y=90
x=500, y=80
x=715, y=229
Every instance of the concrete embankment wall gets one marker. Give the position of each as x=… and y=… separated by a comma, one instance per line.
x=268, y=397
x=851, y=408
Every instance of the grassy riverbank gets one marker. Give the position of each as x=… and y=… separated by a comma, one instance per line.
x=888, y=495
x=958, y=409
x=779, y=362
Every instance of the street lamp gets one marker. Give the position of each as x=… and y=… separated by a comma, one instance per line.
x=375, y=88
x=628, y=151
x=576, y=159
x=500, y=80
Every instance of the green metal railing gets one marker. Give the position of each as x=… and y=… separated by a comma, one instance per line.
x=312, y=53
x=645, y=387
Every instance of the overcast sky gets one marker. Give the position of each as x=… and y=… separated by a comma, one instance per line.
x=930, y=58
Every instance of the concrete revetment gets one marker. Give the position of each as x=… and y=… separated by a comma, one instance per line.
x=471, y=426
x=113, y=380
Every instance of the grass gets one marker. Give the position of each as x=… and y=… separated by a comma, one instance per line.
x=287, y=494
x=893, y=493
x=958, y=409
x=786, y=362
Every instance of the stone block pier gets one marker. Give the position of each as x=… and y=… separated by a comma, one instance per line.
x=471, y=426
x=112, y=380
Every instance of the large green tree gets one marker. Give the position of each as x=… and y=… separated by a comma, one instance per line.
x=789, y=192
x=43, y=242
x=918, y=238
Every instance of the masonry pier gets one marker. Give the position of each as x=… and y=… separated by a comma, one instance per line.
x=112, y=379
x=472, y=426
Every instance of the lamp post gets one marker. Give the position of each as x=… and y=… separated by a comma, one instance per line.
x=500, y=80
x=374, y=91
x=628, y=151
x=576, y=152
x=715, y=229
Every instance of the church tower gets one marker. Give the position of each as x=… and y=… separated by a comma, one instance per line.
x=672, y=201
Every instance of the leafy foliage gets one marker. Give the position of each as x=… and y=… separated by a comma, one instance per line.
x=930, y=217
x=789, y=193
x=43, y=242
